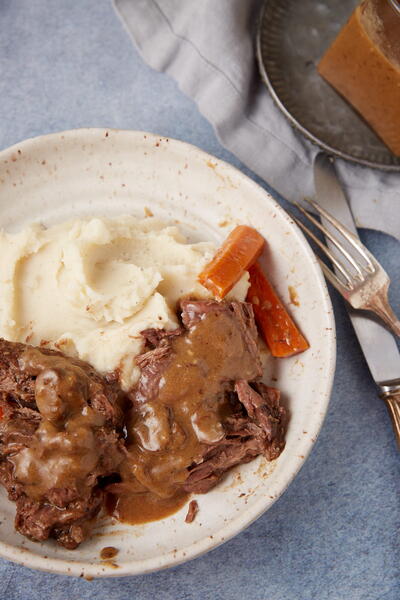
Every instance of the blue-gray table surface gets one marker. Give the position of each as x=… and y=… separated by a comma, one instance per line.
x=334, y=534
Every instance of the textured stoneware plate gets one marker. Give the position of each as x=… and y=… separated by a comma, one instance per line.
x=292, y=37
x=98, y=172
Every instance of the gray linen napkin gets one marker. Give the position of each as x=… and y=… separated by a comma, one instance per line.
x=208, y=47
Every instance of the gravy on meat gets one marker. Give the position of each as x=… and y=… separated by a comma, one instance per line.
x=196, y=411
x=167, y=433
x=64, y=450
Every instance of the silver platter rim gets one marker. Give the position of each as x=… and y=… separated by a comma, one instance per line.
x=294, y=122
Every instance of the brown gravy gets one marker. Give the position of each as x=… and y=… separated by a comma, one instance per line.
x=167, y=434
x=138, y=508
x=63, y=451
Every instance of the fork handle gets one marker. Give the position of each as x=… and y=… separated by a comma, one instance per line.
x=391, y=396
x=379, y=304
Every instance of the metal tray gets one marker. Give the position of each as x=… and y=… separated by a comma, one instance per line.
x=292, y=36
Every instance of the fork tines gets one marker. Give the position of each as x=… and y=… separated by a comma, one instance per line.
x=361, y=259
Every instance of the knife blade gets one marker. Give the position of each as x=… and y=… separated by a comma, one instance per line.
x=378, y=344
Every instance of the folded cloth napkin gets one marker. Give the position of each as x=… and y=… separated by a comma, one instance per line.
x=208, y=47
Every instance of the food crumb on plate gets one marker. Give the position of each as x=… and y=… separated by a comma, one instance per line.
x=192, y=511
x=108, y=552
x=293, y=295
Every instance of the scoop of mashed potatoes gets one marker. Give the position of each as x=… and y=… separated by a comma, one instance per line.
x=89, y=287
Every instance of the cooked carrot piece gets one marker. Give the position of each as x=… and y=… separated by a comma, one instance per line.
x=240, y=250
x=277, y=327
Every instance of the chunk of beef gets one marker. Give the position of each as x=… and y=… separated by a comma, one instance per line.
x=192, y=511
x=17, y=425
x=53, y=408
x=18, y=384
x=193, y=311
x=215, y=333
x=262, y=404
x=69, y=524
x=154, y=362
x=13, y=381
x=257, y=428
x=154, y=336
x=152, y=365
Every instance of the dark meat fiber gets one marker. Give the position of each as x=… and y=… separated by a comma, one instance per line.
x=257, y=426
x=59, y=423
x=192, y=511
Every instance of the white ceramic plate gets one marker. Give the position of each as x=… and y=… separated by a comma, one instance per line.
x=106, y=172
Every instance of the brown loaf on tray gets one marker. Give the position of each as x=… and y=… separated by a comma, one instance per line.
x=363, y=65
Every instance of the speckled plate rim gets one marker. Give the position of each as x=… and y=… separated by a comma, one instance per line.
x=297, y=124
x=243, y=520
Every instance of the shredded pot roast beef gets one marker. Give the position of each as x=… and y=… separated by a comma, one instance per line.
x=197, y=378
x=58, y=435
x=197, y=410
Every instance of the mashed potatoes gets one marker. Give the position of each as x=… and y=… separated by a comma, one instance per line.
x=89, y=287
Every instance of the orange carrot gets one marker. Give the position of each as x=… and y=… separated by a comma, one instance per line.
x=240, y=250
x=277, y=327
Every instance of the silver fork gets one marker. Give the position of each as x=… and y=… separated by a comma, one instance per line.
x=361, y=280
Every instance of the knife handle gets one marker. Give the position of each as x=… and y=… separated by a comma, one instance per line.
x=391, y=396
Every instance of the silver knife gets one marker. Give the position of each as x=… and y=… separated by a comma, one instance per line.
x=378, y=345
